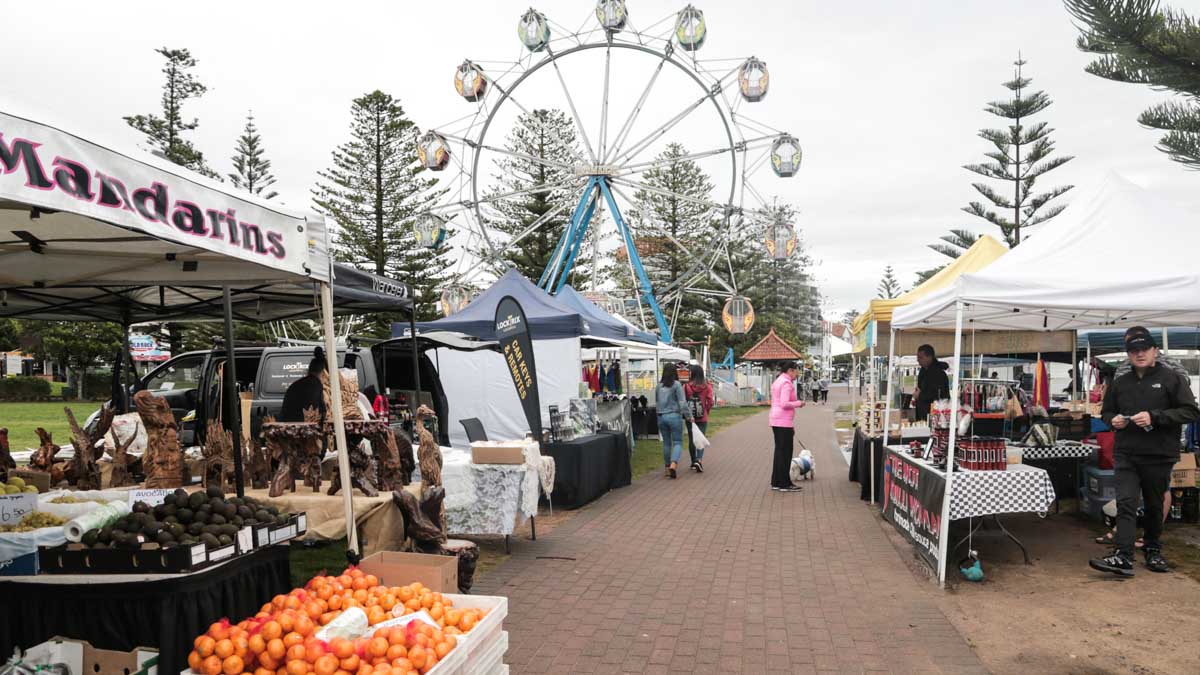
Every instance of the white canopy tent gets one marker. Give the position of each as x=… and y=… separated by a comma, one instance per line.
x=86, y=230
x=1116, y=256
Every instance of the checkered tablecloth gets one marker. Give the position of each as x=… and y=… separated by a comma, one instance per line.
x=1060, y=450
x=1020, y=489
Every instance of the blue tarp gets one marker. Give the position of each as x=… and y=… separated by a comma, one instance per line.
x=603, y=324
x=548, y=317
x=1107, y=341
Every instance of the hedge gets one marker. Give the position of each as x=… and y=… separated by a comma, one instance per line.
x=24, y=389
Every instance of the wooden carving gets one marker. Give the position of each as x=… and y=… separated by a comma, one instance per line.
x=296, y=446
x=362, y=471
x=218, y=456
x=387, y=459
x=121, y=459
x=43, y=458
x=429, y=458
x=6, y=459
x=422, y=531
x=349, y=391
x=84, y=471
x=257, y=462
x=163, y=463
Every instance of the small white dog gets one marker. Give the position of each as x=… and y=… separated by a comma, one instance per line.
x=803, y=467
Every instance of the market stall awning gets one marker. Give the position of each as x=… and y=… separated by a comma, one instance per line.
x=601, y=323
x=982, y=253
x=1117, y=255
x=548, y=317
x=1111, y=341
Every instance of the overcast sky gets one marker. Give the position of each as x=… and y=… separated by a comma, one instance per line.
x=886, y=97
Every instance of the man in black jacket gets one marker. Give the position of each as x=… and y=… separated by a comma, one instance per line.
x=932, y=382
x=1148, y=408
x=306, y=392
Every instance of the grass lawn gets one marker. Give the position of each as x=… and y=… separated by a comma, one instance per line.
x=321, y=556
x=22, y=418
x=844, y=408
x=647, y=452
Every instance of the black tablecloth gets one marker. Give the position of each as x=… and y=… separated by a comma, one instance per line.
x=860, y=465
x=644, y=422
x=587, y=467
x=166, y=614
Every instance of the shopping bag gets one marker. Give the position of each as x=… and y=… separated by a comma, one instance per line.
x=698, y=438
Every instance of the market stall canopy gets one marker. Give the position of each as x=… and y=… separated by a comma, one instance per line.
x=1151, y=278
x=90, y=233
x=1112, y=341
x=548, y=317
x=603, y=324
x=982, y=253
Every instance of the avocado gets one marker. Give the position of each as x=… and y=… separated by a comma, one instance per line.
x=175, y=529
x=159, y=512
x=245, y=512
x=195, y=529
x=105, y=535
x=237, y=521
x=185, y=515
x=261, y=515
x=151, y=529
x=215, y=492
x=205, y=507
x=90, y=537
x=170, y=520
x=164, y=538
x=217, y=519
x=210, y=540
x=225, y=539
x=196, y=499
x=200, y=517
x=212, y=529
x=229, y=529
x=238, y=501
x=181, y=496
x=140, y=507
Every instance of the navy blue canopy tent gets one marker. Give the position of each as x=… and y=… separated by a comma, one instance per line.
x=1106, y=341
x=548, y=317
x=603, y=324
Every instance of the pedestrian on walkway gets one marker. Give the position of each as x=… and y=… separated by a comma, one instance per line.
x=672, y=410
x=1148, y=407
x=824, y=385
x=699, y=392
x=782, y=420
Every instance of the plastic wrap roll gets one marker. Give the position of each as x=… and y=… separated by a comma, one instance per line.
x=94, y=520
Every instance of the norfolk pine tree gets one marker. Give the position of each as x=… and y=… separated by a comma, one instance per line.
x=888, y=286
x=372, y=191
x=1141, y=42
x=1021, y=156
x=165, y=133
x=548, y=136
x=252, y=170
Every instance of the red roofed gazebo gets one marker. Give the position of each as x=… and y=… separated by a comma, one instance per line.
x=770, y=349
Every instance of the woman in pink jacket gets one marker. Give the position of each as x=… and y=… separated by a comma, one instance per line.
x=783, y=413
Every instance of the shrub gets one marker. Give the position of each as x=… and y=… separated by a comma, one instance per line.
x=24, y=389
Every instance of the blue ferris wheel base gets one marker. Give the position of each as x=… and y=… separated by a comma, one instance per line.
x=571, y=242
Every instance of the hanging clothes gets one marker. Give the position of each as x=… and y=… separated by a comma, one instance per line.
x=614, y=378
x=603, y=378
x=594, y=379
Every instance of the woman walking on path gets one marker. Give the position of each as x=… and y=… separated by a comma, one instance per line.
x=782, y=419
x=700, y=399
x=672, y=409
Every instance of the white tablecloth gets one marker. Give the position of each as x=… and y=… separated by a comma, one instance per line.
x=489, y=498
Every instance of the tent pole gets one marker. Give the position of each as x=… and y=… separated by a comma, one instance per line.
x=233, y=402
x=126, y=359
x=416, y=364
x=339, y=426
x=1076, y=371
x=887, y=406
x=944, y=535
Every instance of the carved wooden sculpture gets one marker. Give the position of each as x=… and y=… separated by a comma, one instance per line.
x=429, y=457
x=163, y=463
x=362, y=471
x=257, y=462
x=387, y=460
x=84, y=472
x=121, y=460
x=423, y=532
x=43, y=458
x=6, y=460
x=218, y=456
x=297, y=448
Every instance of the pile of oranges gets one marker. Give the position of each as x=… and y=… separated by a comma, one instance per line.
x=281, y=638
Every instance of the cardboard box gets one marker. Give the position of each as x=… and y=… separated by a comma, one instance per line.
x=39, y=479
x=498, y=452
x=1183, y=474
x=82, y=657
x=437, y=572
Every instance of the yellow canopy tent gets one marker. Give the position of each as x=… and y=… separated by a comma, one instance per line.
x=982, y=253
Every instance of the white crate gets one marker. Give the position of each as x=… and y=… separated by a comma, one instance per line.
x=486, y=640
x=490, y=658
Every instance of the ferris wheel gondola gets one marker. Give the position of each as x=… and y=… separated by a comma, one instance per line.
x=608, y=172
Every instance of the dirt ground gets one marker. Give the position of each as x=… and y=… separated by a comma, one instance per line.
x=1060, y=616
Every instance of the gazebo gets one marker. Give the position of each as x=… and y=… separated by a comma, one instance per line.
x=771, y=349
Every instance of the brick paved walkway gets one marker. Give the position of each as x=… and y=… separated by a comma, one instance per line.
x=717, y=573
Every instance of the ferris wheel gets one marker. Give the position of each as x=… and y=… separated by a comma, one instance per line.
x=629, y=93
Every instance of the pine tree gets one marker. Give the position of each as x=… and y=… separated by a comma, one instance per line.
x=166, y=132
x=1021, y=156
x=549, y=136
x=664, y=223
x=953, y=245
x=372, y=192
x=888, y=286
x=1138, y=41
x=253, y=171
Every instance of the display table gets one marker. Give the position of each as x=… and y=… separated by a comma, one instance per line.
x=380, y=523
x=588, y=467
x=121, y=612
x=1064, y=462
x=644, y=422
x=488, y=498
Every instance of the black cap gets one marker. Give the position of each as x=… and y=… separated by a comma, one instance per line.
x=1137, y=339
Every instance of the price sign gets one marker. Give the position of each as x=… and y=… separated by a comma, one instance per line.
x=152, y=497
x=14, y=508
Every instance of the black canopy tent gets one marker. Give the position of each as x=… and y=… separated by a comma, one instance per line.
x=88, y=233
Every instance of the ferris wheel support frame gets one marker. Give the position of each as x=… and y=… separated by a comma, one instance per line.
x=572, y=240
